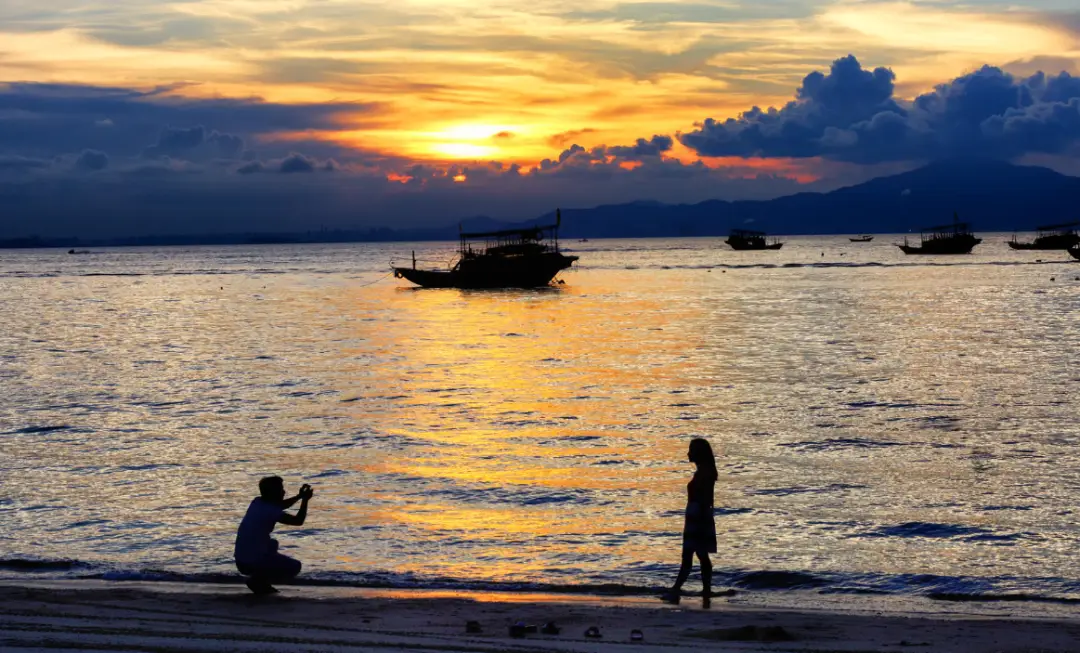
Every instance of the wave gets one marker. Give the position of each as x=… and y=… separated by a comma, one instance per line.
x=943, y=531
x=32, y=565
x=935, y=587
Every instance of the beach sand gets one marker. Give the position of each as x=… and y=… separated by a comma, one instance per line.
x=175, y=617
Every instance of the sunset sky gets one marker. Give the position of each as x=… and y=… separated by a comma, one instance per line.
x=232, y=113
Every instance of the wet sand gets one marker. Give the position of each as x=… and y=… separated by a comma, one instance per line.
x=180, y=617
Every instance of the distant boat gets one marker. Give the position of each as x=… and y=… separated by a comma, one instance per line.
x=1075, y=252
x=1053, y=236
x=955, y=238
x=513, y=258
x=744, y=239
x=78, y=251
x=862, y=239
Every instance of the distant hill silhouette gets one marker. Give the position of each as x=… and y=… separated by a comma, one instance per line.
x=991, y=195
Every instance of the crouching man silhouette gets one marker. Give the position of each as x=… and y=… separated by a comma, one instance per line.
x=256, y=552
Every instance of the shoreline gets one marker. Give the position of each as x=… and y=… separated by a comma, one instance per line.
x=167, y=617
x=747, y=582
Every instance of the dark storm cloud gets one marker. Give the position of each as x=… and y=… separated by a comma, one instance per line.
x=605, y=159
x=850, y=114
x=1060, y=88
x=294, y=163
x=92, y=160
x=195, y=143
x=46, y=120
x=655, y=146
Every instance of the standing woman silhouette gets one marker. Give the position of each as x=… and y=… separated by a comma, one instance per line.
x=699, y=531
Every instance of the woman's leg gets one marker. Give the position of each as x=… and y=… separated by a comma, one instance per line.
x=684, y=570
x=706, y=578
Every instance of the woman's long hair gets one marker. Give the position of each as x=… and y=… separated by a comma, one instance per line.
x=701, y=454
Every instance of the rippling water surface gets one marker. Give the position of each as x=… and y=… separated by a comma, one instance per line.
x=882, y=422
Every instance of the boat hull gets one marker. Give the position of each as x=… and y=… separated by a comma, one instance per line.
x=860, y=240
x=911, y=249
x=742, y=247
x=515, y=272
x=1046, y=244
x=943, y=246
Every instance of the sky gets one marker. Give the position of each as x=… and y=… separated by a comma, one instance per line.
x=128, y=117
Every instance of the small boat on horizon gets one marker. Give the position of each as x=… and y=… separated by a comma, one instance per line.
x=1052, y=236
x=955, y=238
x=744, y=239
x=865, y=238
x=512, y=258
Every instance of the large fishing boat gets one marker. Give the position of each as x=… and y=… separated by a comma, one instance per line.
x=1051, y=236
x=512, y=258
x=743, y=239
x=955, y=238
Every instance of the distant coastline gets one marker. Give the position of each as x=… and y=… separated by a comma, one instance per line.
x=181, y=240
x=993, y=195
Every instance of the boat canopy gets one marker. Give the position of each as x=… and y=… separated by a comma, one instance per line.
x=523, y=233
x=507, y=240
x=1065, y=226
x=956, y=227
x=526, y=232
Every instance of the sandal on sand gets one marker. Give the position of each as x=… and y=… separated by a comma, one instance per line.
x=637, y=636
x=671, y=597
x=593, y=633
x=473, y=627
x=550, y=629
x=260, y=587
x=706, y=603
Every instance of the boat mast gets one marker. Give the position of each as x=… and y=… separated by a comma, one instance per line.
x=558, y=221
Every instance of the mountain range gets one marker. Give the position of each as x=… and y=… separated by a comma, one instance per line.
x=991, y=195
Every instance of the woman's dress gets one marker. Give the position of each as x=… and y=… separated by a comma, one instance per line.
x=699, y=530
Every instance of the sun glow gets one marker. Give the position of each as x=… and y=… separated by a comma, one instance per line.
x=467, y=141
x=475, y=132
x=463, y=150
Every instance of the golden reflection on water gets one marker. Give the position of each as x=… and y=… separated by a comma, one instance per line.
x=524, y=435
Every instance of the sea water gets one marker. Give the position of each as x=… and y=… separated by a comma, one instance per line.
x=881, y=422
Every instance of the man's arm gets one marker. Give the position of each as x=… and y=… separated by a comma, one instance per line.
x=298, y=519
x=288, y=503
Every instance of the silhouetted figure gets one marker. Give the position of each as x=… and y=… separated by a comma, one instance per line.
x=256, y=552
x=699, y=529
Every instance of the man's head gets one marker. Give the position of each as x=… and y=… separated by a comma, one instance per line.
x=272, y=488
